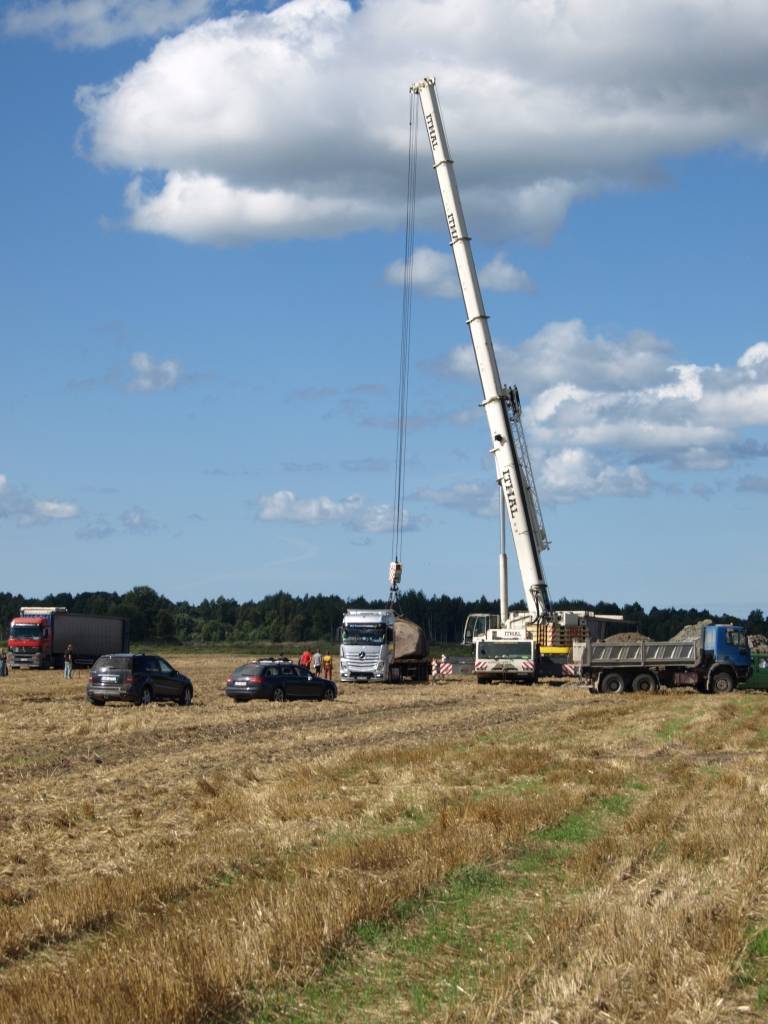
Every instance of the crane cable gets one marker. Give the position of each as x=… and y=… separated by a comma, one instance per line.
x=405, y=351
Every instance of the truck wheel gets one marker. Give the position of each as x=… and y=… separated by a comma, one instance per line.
x=612, y=682
x=721, y=682
x=186, y=697
x=329, y=693
x=278, y=694
x=146, y=696
x=644, y=682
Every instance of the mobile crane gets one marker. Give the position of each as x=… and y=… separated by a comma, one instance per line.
x=510, y=647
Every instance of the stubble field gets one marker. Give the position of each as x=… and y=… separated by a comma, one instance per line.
x=436, y=853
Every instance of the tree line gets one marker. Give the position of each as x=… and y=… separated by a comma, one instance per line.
x=284, y=618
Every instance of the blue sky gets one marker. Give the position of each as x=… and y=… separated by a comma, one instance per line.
x=201, y=310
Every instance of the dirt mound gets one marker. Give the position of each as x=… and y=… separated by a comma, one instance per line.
x=692, y=631
x=626, y=638
x=758, y=642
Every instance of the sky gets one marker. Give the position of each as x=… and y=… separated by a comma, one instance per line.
x=202, y=286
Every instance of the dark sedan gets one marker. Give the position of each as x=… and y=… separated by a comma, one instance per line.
x=277, y=680
x=138, y=679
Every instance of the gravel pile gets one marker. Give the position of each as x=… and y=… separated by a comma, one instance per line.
x=758, y=642
x=626, y=638
x=692, y=631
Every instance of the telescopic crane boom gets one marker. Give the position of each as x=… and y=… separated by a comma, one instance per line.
x=502, y=405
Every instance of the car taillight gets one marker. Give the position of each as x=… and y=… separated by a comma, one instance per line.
x=252, y=679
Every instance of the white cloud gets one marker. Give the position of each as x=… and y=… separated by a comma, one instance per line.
x=30, y=511
x=575, y=473
x=500, y=276
x=755, y=359
x=152, y=376
x=353, y=511
x=563, y=352
x=620, y=404
x=55, y=509
x=102, y=22
x=253, y=124
x=434, y=273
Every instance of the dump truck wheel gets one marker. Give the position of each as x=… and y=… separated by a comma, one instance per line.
x=721, y=682
x=612, y=682
x=644, y=682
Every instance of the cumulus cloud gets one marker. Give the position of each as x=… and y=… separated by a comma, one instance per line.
x=625, y=403
x=576, y=473
x=152, y=376
x=30, y=511
x=252, y=124
x=563, y=352
x=353, y=511
x=434, y=273
x=102, y=22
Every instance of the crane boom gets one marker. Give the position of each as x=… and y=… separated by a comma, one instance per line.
x=501, y=404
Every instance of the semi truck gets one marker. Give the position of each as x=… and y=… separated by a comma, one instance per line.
x=377, y=645
x=39, y=636
x=716, y=659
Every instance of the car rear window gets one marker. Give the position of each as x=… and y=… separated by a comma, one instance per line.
x=253, y=668
x=113, y=662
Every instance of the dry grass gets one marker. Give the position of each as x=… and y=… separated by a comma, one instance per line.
x=158, y=864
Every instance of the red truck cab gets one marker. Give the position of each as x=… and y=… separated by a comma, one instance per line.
x=30, y=638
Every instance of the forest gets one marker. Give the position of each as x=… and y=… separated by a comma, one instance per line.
x=283, y=618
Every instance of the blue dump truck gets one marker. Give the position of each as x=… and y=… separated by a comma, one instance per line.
x=716, y=659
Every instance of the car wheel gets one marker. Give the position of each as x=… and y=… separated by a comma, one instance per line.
x=97, y=702
x=329, y=693
x=278, y=694
x=146, y=695
x=186, y=697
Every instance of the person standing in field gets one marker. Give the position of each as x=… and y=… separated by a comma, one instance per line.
x=317, y=662
x=3, y=663
x=69, y=661
x=305, y=659
x=327, y=666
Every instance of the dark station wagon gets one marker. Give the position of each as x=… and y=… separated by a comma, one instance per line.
x=138, y=679
x=277, y=680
